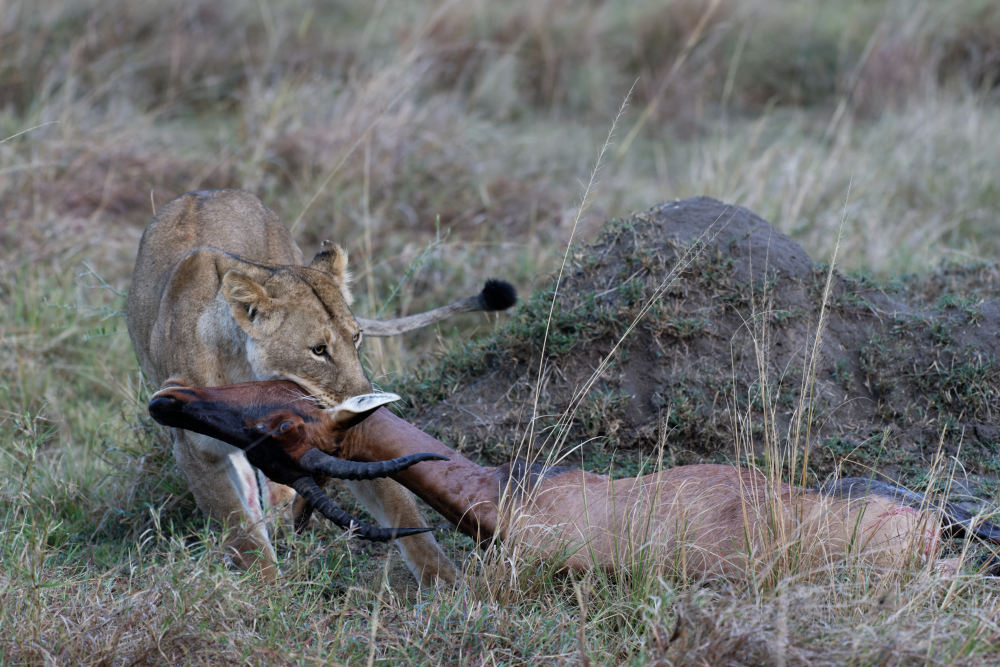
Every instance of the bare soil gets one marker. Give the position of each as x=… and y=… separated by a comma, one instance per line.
x=903, y=369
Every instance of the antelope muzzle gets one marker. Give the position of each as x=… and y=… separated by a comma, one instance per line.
x=276, y=424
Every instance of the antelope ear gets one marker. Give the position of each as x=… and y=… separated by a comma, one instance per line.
x=357, y=408
x=247, y=299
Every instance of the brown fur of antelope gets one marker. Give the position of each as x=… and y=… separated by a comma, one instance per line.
x=702, y=520
x=220, y=294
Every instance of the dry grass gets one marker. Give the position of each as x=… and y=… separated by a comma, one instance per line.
x=442, y=145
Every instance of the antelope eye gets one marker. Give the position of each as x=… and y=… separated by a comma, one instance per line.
x=319, y=350
x=262, y=427
x=284, y=426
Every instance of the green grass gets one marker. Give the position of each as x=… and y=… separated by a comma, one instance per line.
x=449, y=143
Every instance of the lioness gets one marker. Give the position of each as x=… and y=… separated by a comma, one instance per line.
x=220, y=295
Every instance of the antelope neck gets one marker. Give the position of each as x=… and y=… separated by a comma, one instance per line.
x=463, y=492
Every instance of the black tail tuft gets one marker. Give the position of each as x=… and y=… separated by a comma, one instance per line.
x=497, y=295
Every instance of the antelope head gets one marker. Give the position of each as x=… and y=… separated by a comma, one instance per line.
x=280, y=429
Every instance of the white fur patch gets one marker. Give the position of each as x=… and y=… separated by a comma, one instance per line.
x=257, y=362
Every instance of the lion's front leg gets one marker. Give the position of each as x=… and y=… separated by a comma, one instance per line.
x=279, y=503
x=392, y=505
x=226, y=488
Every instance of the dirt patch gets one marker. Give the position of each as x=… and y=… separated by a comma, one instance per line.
x=726, y=310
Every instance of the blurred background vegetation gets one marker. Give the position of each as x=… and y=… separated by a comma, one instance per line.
x=440, y=143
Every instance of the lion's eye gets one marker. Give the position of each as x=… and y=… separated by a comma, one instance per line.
x=357, y=339
x=319, y=350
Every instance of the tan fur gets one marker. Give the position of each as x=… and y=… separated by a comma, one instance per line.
x=711, y=520
x=220, y=295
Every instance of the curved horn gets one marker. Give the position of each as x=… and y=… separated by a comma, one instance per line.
x=315, y=461
x=309, y=489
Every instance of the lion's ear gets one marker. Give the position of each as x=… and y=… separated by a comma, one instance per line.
x=332, y=259
x=247, y=299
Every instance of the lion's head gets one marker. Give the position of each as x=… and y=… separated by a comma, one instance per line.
x=299, y=326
